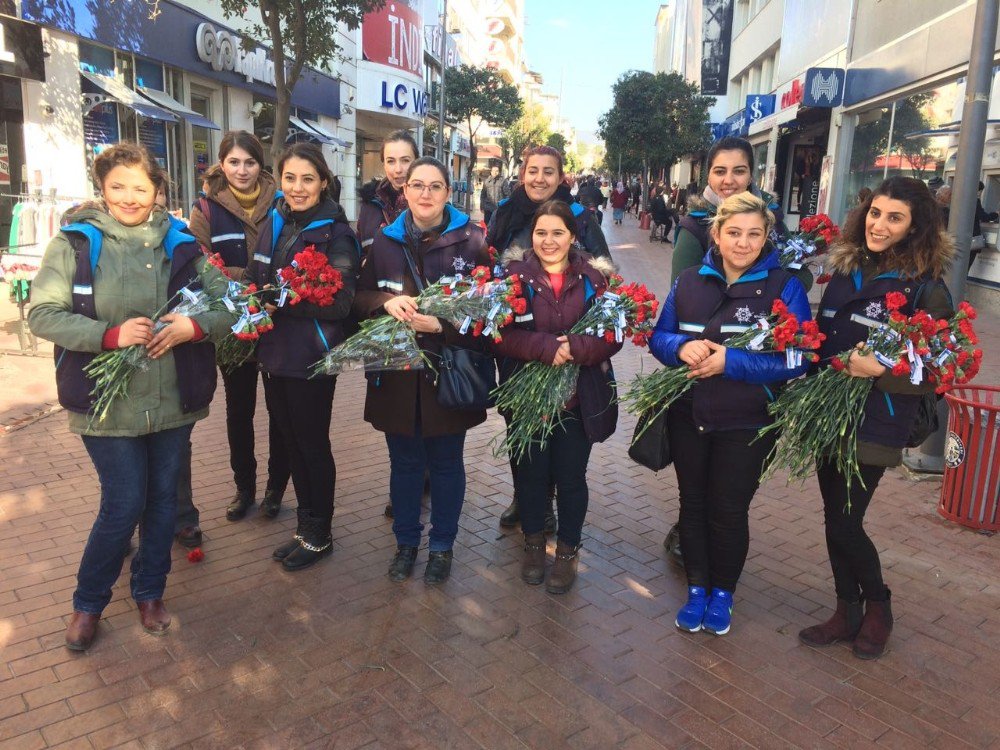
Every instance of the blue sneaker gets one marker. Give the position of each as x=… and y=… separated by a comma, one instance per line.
x=719, y=612
x=689, y=616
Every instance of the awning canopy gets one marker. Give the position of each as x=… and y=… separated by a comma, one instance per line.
x=315, y=131
x=169, y=103
x=124, y=95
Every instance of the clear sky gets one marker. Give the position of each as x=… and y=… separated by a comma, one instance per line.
x=589, y=43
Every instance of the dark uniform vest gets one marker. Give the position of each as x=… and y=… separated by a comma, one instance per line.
x=229, y=237
x=195, y=363
x=707, y=309
x=847, y=311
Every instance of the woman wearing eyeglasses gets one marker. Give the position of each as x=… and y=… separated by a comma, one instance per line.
x=420, y=434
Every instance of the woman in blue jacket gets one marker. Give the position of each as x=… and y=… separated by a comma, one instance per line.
x=713, y=427
x=302, y=406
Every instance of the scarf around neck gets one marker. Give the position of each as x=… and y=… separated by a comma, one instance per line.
x=507, y=224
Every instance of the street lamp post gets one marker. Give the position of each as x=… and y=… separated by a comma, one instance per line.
x=444, y=65
x=971, y=139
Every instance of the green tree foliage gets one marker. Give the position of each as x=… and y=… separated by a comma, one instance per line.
x=654, y=121
x=531, y=128
x=477, y=95
x=557, y=141
x=300, y=33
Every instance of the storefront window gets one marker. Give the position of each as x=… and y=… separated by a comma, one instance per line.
x=97, y=59
x=759, y=164
x=908, y=137
x=149, y=75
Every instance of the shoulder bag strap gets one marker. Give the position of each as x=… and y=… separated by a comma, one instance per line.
x=413, y=267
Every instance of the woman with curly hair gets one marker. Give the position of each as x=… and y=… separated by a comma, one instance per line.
x=894, y=242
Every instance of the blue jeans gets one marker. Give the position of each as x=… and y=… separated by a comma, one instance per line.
x=138, y=487
x=443, y=457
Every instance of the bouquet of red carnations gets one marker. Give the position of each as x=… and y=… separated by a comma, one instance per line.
x=309, y=278
x=112, y=371
x=813, y=238
x=536, y=395
x=819, y=416
x=476, y=304
x=650, y=395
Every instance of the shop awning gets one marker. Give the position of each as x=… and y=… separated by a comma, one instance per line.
x=315, y=131
x=124, y=95
x=169, y=103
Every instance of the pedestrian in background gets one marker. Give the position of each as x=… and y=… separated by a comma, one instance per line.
x=619, y=201
x=492, y=193
x=126, y=242
x=564, y=283
x=429, y=240
x=895, y=243
x=713, y=427
x=226, y=221
x=301, y=404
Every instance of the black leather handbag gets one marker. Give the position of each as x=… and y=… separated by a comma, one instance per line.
x=652, y=447
x=465, y=377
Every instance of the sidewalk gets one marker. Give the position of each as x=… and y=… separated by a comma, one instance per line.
x=338, y=656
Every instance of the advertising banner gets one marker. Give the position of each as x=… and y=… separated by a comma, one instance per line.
x=394, y=37
x=716, y=41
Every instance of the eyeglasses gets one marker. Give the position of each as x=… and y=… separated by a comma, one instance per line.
x=435, y=188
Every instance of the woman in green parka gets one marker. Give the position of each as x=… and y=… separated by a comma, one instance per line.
x=103, y=279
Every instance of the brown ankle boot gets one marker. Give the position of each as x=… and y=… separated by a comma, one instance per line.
x=533, y=562
x=875, y=628
x=843, y=626
x=81, y=631
x=563, y=572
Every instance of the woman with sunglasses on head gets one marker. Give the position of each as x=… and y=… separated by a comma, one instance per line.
x=893, y=242
x=430, y=239
x=542, y=180
x=301, y=405
x=713, y=427
x=226, y=220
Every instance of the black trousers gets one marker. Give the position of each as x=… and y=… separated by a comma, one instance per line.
x=857, y=570
x=717, y=473
x=241, y=404
x=564, y=460
x=301, y=409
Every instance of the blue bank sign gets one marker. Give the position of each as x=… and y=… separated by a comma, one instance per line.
x=759, y=106
x=824, y=87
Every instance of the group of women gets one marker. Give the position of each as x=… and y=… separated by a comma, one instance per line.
x=123, y=258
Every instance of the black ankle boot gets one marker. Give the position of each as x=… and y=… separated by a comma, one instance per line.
x=238, y=508
x=280, y=553
x=270, y=506
x=438, y=567
x=315, y=544
x=511, y=516
x=401, y=566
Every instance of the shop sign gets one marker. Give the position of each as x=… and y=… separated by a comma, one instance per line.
x=432, y=41
x=460, y=145
x=759, y=106
x=386, y=92
x=4, y=164
x=734, y=125
x=393, y=37
x=824, y=87
x=792, y=97
x=224, y=51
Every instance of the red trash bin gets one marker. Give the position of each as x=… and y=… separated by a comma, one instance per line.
x=970, y=494
x=646, y=220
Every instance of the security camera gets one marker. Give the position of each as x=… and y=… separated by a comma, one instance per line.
x=256, y=109
x=47, y=109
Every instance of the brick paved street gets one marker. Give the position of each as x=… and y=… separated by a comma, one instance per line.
x=338, y=656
